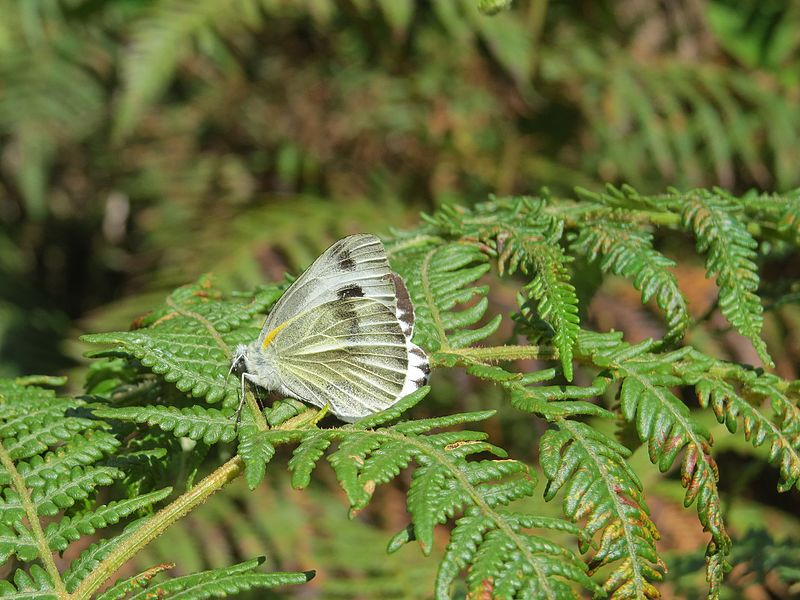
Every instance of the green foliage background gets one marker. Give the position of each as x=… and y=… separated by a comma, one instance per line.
x=143, y=144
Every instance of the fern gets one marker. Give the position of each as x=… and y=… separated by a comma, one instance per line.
x=56, y=457
x=87, y=463
x=164, y=38
x=216, y=583
x=523, y=237
x=173, y=333
x=487, y=542
x=673, y=118
x=35, y=584
x=157, y=406
x=37, y=120
x=761, y=557
x=731, y=254
x=300, y=529
x=443, y=281
x=601, y=487
x=445, y=482
x=39, y=482
x=664, y=422
x=737, y=394
x=627, y=251
x=255, y=451
x=557, y=303
x=196, y=423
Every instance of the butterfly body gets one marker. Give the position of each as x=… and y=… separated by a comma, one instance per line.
x=340, y=335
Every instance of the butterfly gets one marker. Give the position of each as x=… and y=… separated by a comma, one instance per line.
x=340, y=336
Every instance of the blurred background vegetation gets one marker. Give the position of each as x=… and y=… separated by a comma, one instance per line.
x=143, y=142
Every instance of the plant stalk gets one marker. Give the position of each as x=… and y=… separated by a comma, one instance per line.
x=18, y=482
x=502, y=353
x=156, y=525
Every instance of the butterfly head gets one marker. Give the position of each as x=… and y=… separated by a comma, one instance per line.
x=238, y=362
x=255, y=363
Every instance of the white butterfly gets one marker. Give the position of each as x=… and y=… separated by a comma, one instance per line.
x=340, y=335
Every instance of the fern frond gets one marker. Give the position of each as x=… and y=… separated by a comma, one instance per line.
x=70, y=529
x=79, y=451
x=758, y=428
x=743, y=398
x=72, y=487
x=195, y=422
x=523, y=237
x=601, y=488
x=550, y=402
x=439, y=280
x=539, y=569
x=54, y=465
x=17, y=540
x=664, y=422
x=88, y=560
x=679, y=120
x=196, y=322
x=626, y=250
x=255, y=451
x=48, y=97
x=34, y=419
x=215, y=583
x=731, y=255
x=556, y=301
x=165, y=38
x=759, y=555
x=498, y=553
x=493, y=550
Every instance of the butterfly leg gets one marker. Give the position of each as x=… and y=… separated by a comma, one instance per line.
x=238, y=415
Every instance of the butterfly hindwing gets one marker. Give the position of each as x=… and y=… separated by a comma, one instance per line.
x=351, y=353
x=353, y=267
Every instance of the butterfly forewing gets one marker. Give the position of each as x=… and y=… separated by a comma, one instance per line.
x=341, y=334
x=350, y=353
x=353, y=267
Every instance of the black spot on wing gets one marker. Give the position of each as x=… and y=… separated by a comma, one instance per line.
x=344, y=259
x=352, y=290
x=347, y=263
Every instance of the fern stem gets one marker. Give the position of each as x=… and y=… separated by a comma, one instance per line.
x=156, y=525
x=255, y=410
x=201, y=319
x=18, y=482
x=501, y=353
